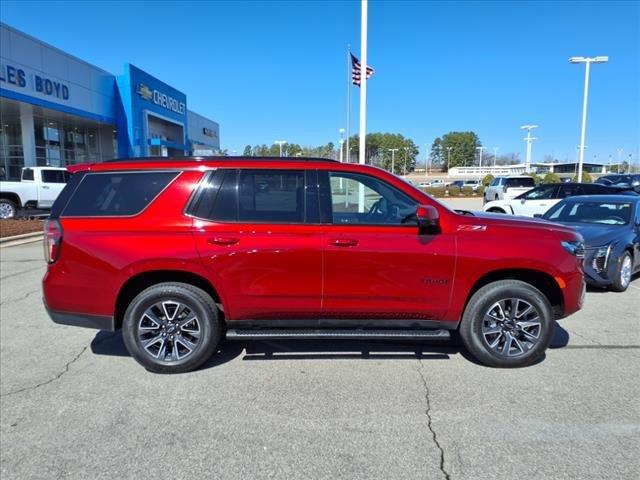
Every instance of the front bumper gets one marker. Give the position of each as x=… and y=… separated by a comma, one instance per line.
x=82, y=320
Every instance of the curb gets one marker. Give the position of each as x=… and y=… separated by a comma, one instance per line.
x=21, y=239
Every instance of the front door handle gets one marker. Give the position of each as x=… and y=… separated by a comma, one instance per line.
x=223, y=240
x=343, y=242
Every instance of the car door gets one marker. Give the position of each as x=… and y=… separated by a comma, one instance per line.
x=536, y=201
x=257, y=232
x=52, y=181
x=376, y=265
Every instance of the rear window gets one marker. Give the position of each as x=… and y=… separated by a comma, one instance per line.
x=55, y=176
x=525, y=182
x=27, y=174
x=116, y=193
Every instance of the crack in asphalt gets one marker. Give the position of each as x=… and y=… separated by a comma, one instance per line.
x=26, y=260
x=427, y=412
x=64, y=370
x=601, y=346
x=28, y=294
x=20, y=273
x=53, y=379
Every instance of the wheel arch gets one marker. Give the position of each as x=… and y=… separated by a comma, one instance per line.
x=142, y=280
x=543, y=281
x=13, y=197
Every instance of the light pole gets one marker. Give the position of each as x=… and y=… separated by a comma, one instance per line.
x=449, y=159
x=619, y=158
x=405, y=161
x=393, y=159
x=341, y=143
x=583, y=131
x=480, y=149
x=426, y=159
x=529, y=139
x=495, y=156
x=280, y=143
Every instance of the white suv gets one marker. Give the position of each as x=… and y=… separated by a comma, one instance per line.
x=507, y=188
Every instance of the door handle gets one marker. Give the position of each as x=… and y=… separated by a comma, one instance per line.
x=44, y=187
x=343, y=242
x=223, y=240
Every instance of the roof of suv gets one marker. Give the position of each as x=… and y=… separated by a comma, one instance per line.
x=191, y=162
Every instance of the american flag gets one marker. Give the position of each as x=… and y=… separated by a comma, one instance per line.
x=356, y=70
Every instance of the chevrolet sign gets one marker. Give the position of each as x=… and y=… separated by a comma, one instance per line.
x=161, y=99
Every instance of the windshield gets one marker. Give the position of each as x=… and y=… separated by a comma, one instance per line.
x=622, y=180
x=590, y=212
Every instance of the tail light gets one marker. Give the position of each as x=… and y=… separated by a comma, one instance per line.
x=52, y=240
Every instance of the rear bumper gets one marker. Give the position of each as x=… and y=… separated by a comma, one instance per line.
x=98, y=322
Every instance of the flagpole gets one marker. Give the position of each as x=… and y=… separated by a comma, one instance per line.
x=348, y=156
x=363, y=84
x=362, y=149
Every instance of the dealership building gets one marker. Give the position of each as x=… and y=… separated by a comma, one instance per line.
x=58, y=110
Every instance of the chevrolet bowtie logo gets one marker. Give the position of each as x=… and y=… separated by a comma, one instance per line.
x=144, y=91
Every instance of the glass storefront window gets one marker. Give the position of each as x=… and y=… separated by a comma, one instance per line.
x=11, y=154
x=61, y=144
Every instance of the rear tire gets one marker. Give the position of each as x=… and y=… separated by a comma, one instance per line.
x=525, y=324
x=622, y=277
x=8, y=209
x=496, y=210
x=171, y=328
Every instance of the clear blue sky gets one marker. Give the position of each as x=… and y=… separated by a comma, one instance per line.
x=276, y=70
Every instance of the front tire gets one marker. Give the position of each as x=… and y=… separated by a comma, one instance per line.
x=171, y=328
x=623, y=273
x=507, y=324
x=8, y=209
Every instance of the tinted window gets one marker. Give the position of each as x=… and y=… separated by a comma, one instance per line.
x=117, y=193
x=520, y=182
x=378, y=204
x=55, y=176
x=216, y=198
x=540, y=193
x=594, y=190
x=569, y=190
x=276, y=196
x=27, y=174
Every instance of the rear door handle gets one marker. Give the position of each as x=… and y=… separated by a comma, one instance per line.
x=223, y=240
x=343, y=242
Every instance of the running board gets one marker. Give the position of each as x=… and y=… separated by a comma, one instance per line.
x=335, y=334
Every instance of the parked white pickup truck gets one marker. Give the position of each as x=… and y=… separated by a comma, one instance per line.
x=37, y=188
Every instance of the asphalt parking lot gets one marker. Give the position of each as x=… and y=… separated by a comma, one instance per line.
x=75, y=405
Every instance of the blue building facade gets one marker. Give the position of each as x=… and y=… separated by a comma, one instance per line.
x=56, y=109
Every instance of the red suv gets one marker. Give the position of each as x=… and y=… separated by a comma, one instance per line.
x=183, y=253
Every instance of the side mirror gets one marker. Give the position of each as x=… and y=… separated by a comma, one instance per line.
x=537, y=215
x=522, y=200
x=428, y=218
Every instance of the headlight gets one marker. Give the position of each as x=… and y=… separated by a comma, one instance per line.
x=601, y=259
x=574, y=247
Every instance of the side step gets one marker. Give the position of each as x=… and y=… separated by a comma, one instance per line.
x=335, y=334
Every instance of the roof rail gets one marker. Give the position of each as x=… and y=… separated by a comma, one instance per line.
x=200, y=159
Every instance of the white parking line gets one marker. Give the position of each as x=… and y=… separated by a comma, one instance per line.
x=633, y=286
